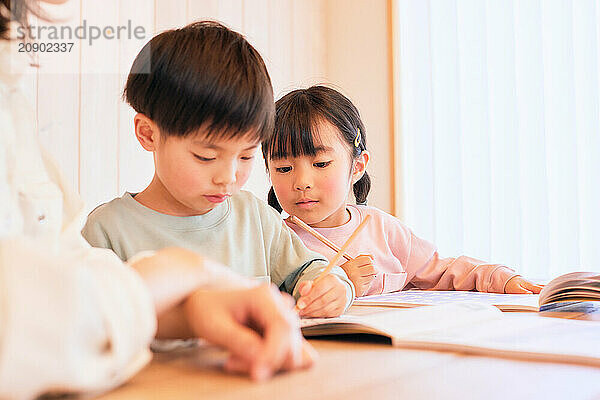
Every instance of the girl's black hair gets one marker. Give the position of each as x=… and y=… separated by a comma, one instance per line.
x=203, y=75
x=297, y=118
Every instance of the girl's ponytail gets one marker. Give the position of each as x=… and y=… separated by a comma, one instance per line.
x=273, y=202
x=361, y=190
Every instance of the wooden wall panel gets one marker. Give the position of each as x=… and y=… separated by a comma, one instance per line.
x=136, y=166
x=82, y=119
x=58, y=113
x=98, y=165
x=169, y=13
x=281, y=46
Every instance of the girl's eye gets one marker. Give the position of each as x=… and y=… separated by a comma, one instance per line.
x=283, y=170
x=247, y=158
x=204, y=158
x=322, y=164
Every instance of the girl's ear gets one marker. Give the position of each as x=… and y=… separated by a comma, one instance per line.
x=146, y=132
x=360, y=166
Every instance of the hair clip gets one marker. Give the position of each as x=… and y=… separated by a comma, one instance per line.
x=357, y=138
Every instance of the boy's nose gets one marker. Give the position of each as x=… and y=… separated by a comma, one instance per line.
x=225, y=176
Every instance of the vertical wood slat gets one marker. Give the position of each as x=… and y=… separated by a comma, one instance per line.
x=308, y=33
x=231, y=13
x=95, y=147
x=99, y=107
x=256, y=29
x=169, y=14
x=136, y=166
x=202, y=10
x=280, y=46
x=59, y=74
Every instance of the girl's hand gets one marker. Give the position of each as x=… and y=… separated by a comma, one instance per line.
x=361, y=272
x=326, y=298
x=519, y=285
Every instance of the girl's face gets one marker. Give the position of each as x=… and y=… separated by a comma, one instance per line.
x=315, y=188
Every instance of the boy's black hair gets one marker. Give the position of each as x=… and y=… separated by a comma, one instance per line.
x=202, y=75
x=298, y=115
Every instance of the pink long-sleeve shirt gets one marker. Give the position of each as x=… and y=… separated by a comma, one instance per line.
x=404, y=260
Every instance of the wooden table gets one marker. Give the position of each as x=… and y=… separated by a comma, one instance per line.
x=371, y=369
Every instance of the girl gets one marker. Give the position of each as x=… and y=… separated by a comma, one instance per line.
x=316, y=155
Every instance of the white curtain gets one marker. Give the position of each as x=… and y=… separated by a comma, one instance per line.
x=499, y=129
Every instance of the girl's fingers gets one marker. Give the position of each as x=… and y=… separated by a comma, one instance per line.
x=368, y=270
x=519, y=289
x=531, y=287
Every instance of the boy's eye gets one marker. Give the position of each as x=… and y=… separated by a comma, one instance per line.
x=322, y=164
x=204, y=158
x=247, y=158
x=283, y=170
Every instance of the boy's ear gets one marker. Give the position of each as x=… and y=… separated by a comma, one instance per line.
x=146, y=132
x=360, y=166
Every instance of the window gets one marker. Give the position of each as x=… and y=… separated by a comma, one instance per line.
x=499, y=129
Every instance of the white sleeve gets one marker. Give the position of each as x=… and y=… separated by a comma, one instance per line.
x=72, y=318
x=77, y=321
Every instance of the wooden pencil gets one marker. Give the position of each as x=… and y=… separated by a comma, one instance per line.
x=343, y=249
x=317, y=235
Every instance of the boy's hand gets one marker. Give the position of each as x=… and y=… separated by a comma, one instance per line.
x=361, y=272
x=325, y=298
x=257, y=325
x=518, y=285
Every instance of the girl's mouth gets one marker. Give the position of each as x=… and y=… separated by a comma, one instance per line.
x=306, y=204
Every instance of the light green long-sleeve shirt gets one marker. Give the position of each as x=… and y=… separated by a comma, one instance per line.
x=243, y=232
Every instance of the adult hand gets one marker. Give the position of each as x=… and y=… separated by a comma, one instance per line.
x=257, y=325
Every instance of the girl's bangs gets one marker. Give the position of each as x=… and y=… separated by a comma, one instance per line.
x=295, y=136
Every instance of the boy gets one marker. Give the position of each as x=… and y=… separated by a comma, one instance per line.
x=204, y=104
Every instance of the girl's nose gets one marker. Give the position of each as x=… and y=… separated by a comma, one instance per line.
x=302, y=186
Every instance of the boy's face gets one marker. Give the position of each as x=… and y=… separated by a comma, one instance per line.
x=198, y=174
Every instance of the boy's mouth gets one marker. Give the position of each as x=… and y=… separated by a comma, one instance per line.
x=216, y=198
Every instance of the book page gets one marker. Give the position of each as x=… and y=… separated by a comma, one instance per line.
x=406, y=322
x=473, y=328
x=518, y=336
x=412, y=298
x=572, y=287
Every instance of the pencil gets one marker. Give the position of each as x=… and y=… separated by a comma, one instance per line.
x=317, y=235
x=343, y=249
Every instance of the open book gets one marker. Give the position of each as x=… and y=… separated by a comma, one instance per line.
x=473, y=329
x=576, y=286
x=415, y=298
